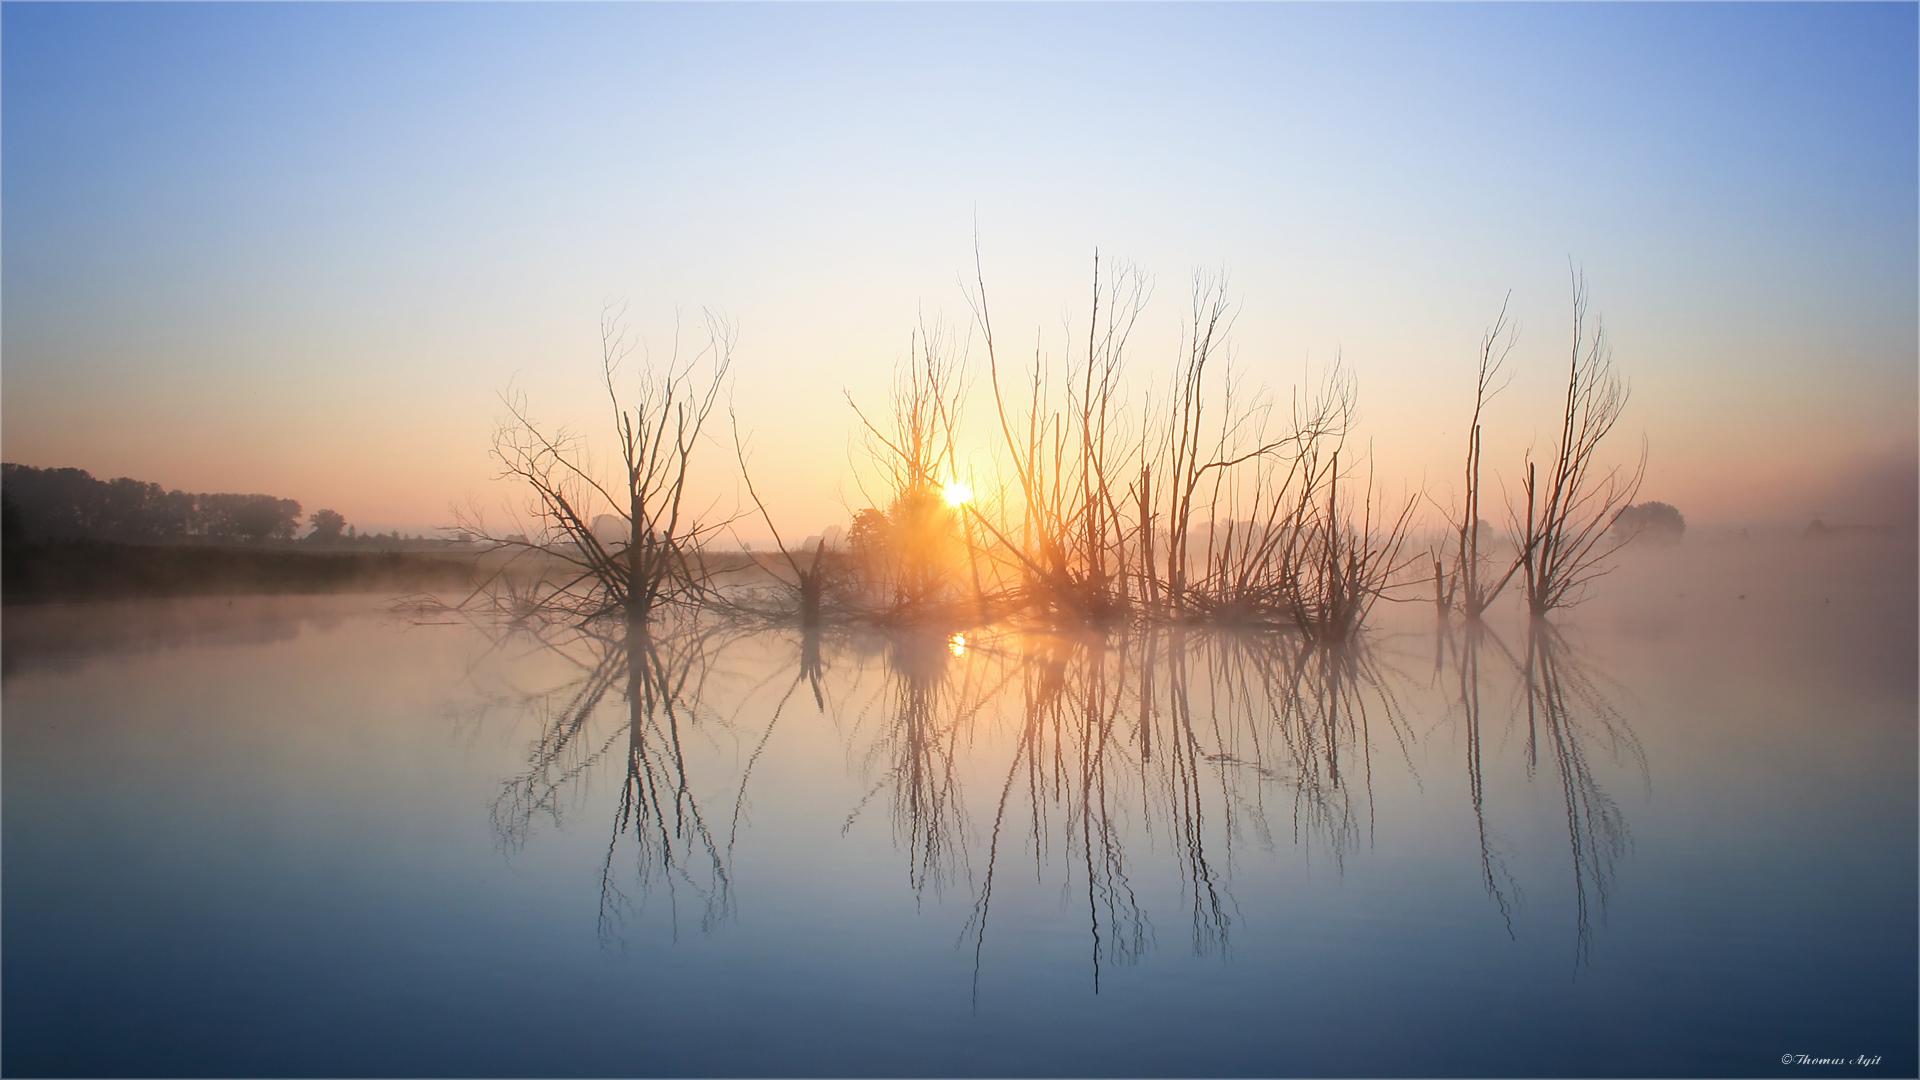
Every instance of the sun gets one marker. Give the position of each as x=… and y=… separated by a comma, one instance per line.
x=957, y=493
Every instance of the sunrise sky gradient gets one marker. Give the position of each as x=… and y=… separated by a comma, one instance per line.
x=300, y=248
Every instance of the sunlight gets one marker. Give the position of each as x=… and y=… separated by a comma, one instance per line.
x=957, y=645
x=957, y=493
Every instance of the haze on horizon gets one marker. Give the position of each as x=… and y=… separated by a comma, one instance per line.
x=300, y=249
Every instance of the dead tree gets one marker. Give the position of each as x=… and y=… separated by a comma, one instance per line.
x=1348, y=560
x=813, y=575
x=914, y=456
x=1067, y=450
x=1569, y=507
x=1187, y=462
x=659, y=429
x=1470, y=566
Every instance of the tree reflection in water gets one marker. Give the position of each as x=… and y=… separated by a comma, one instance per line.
x=923, y=715
x=1562, y=701
x=1493, y=868
x=1117, y=736
x=1567, y=704
x=1094, y=756
x=664, y=681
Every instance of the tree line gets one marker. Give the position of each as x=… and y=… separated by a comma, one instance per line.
x=70, y=504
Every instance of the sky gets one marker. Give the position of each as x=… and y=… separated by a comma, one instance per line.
x=304, y=249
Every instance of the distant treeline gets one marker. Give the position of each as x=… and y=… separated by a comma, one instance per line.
x=69, y=504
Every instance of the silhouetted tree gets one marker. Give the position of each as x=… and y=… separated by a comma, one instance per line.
x=870, y=536
x=327, y=527
x=1570, y=508
x=658, y=424
x=911, y=450
x=65, y=504
x=250, y=518
x=1472, y=575
x=1652, y=522
x=811, y=567
x=13, y=527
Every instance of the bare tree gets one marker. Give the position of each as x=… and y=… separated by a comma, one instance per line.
x=1211, y=319
x=1066, y=448
x=1569, y=509
x=811, y=577
x=659, y=430
x=913, y=453
x=1235, y=514
x=1470, y=567
x=1343, y=562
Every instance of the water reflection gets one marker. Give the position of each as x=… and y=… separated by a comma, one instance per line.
x=1564, y=702
x=1072, y=762
x=1494, y=875
x=1176, y=745
x=240, y=842
x=660, y=835
x=1568, y=706
x=1091, y=763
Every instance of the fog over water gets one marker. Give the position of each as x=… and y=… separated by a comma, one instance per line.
x=1673, y=834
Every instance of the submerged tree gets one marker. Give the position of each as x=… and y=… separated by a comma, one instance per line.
x=1216, y=507
x=1210, y=503
x=1069, y=453
x=815, y=572
x=1569, y=508
x=912, y=548
x=1570, y=521
x=1471, y=570
x=659, y=423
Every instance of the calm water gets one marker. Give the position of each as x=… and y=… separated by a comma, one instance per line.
x=308, y=837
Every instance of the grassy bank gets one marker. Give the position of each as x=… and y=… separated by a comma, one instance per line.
x=98, y=570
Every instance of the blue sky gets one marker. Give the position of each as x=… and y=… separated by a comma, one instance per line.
x=299, y=248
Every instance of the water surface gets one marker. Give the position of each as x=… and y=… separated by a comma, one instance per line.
x=1674, y=835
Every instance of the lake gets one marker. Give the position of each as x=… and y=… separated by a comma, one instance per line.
x=1675, y=834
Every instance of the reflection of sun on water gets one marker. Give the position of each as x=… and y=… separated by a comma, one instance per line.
x=957, y=493
x=957, y=645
